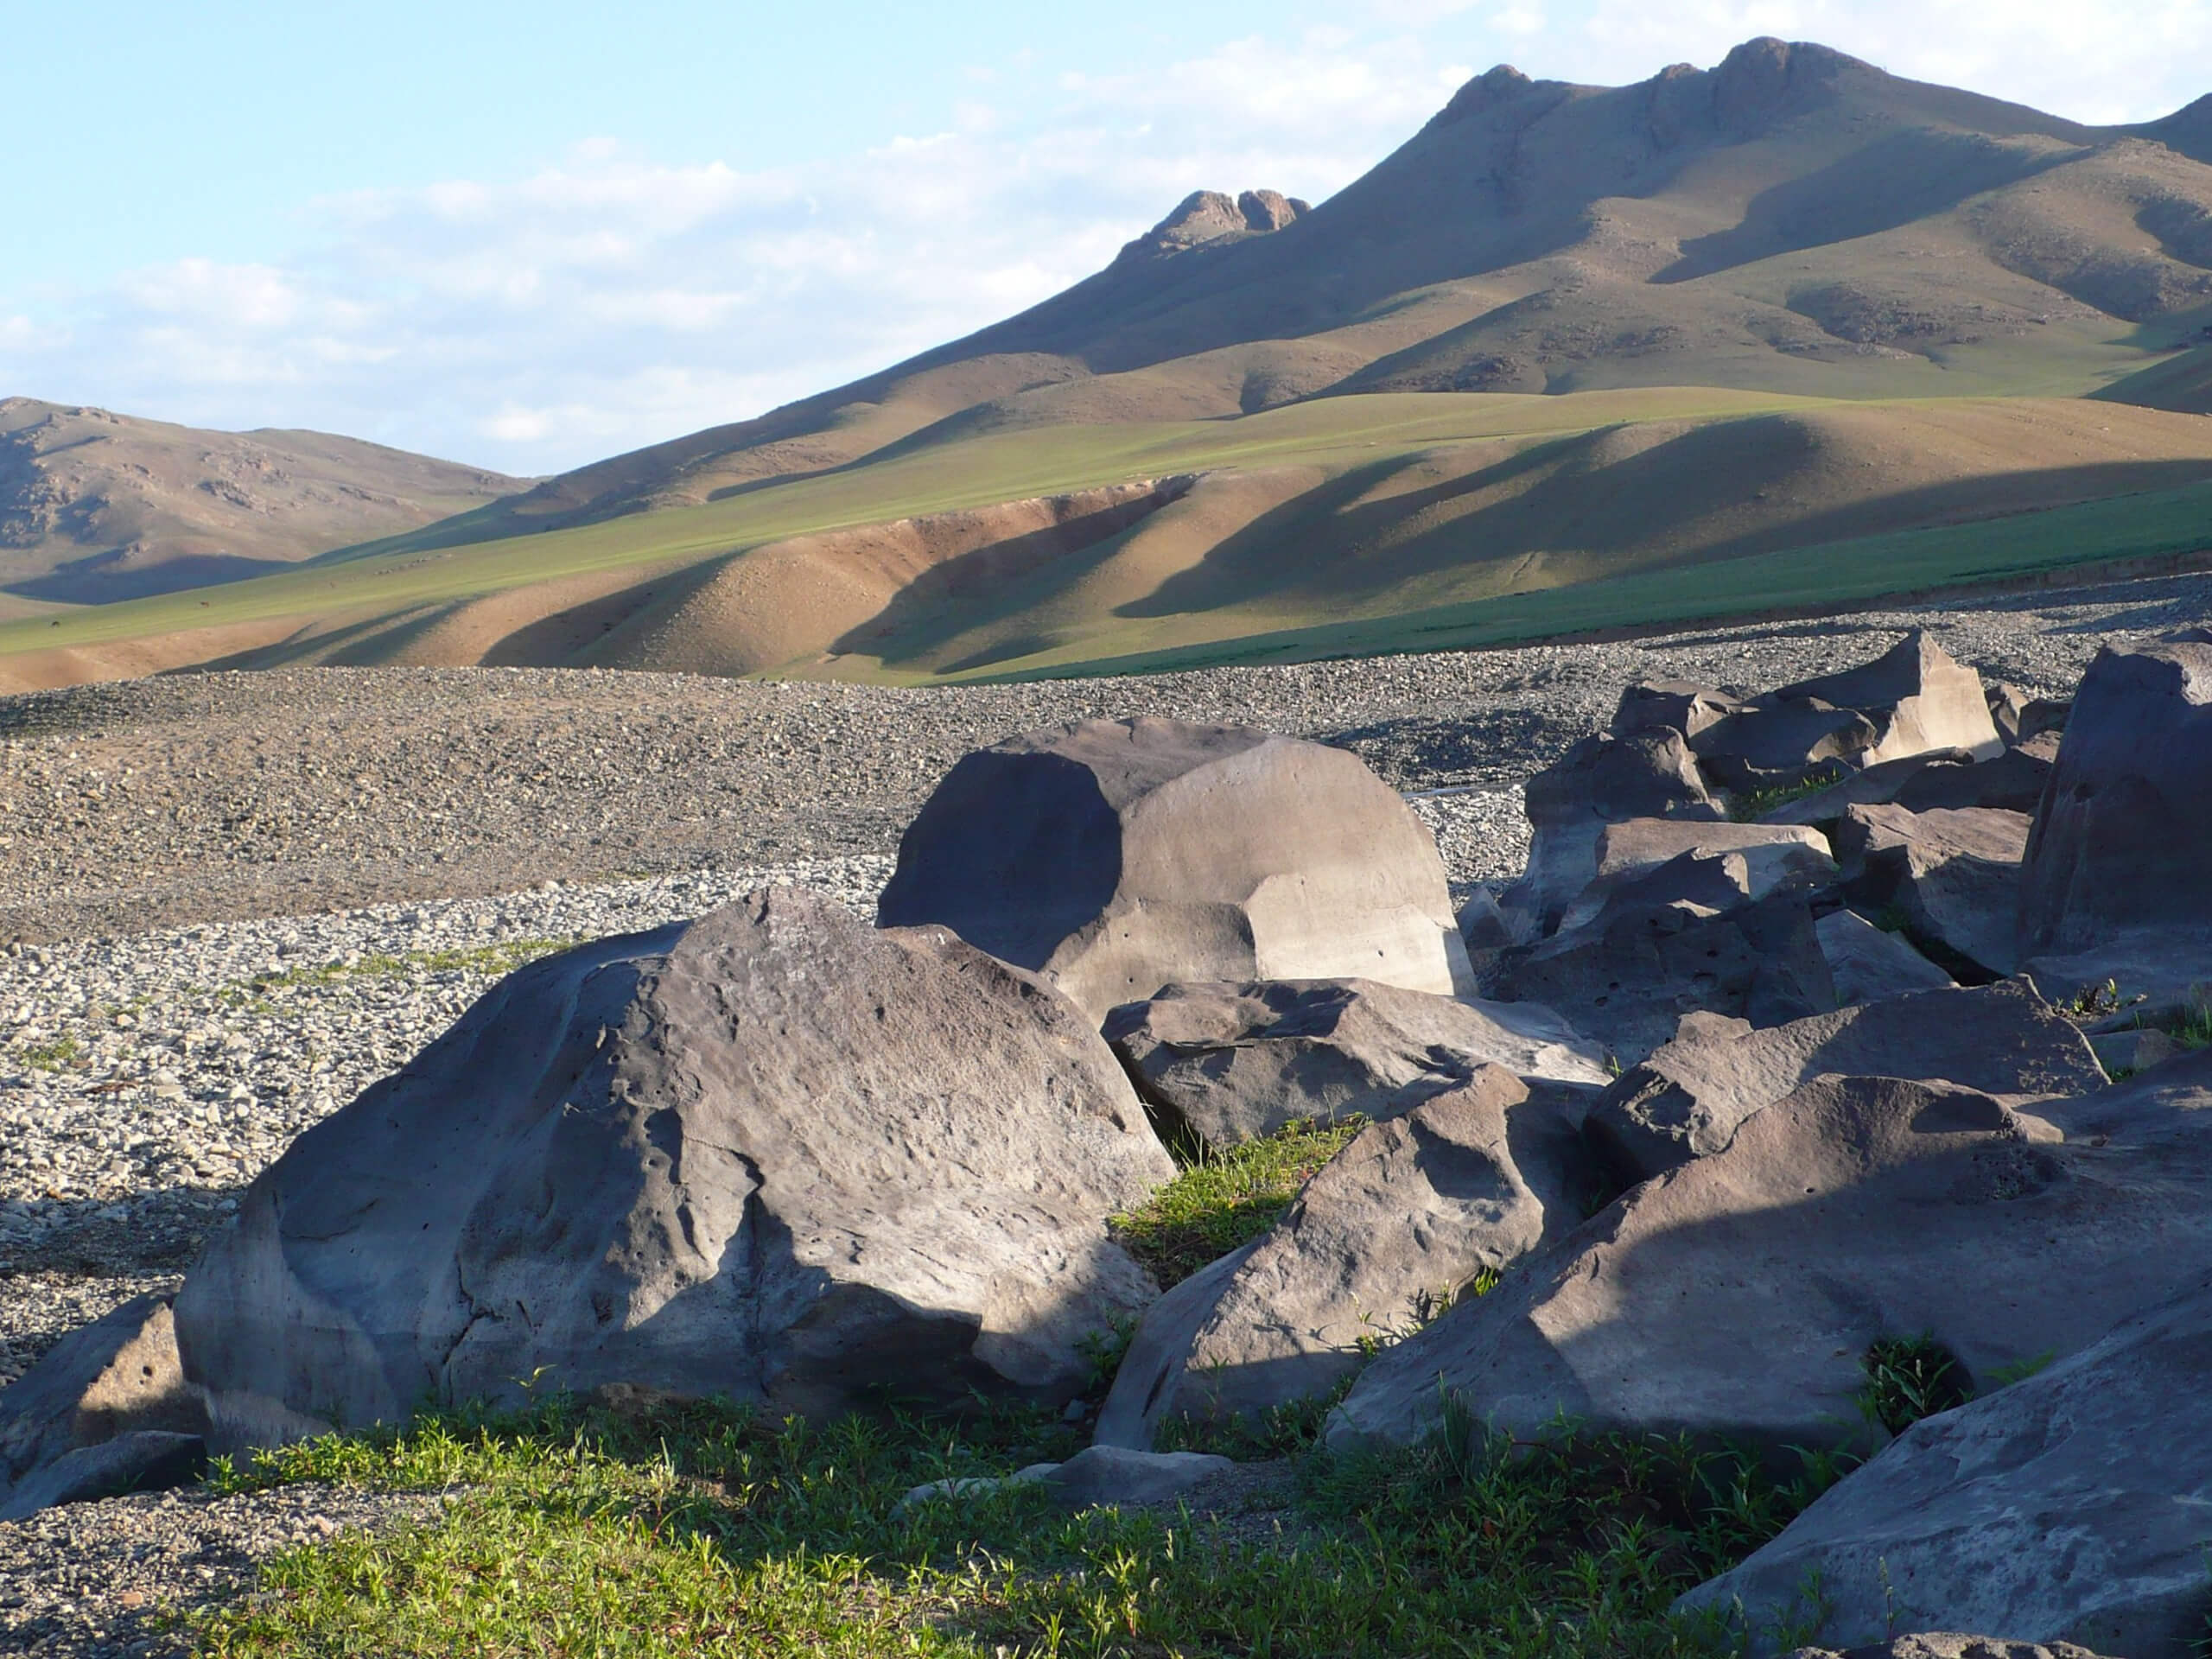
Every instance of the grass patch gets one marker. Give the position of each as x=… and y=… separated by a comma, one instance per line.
x=1753, y=804
x=690, y=1530
x=490, y=961
x=1227, y=1198
x=55, y=1056
x=1908, y=1378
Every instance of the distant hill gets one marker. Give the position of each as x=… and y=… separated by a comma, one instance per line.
x=96, y=507
x=1785, y=333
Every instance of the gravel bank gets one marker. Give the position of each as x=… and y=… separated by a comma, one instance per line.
x=238, y=899
x=221, y=797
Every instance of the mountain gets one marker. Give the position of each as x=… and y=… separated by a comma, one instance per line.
x=1788, y=332
x=1793, y=220
x=96, y=507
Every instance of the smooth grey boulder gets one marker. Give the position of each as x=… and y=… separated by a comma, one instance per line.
x=1738, y=1295
x=1113, y=857
x=1626, y=979
x=1917, y=697
x=2118, y=874
x=1600, y=781
x=114, y=1384
x=1098, y=1476
x=772, y=1153
x=1868, y=964
x=2069, y=1508
x=1689, y=1098
x=1235, y=1062
x=1949, y=1644
x=1390, y=1231
x=1954, y=875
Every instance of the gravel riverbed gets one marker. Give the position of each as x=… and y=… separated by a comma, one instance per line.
x=233, y=901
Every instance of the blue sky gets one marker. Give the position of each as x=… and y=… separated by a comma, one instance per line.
x=531, y=235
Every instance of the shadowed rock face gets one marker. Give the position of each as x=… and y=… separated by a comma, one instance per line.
x=1114, y=857
x=2124, y=838
x=1392, y=1228
x=1236, y=1061
x=772, y=1153
x=2068, y=1508
x=1738, y=1295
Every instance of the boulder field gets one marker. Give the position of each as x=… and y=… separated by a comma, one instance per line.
x=1791, y=1043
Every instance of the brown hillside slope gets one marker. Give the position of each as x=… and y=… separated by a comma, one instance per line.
x=96, y=506
x=1793, y=220
x=1172, y=562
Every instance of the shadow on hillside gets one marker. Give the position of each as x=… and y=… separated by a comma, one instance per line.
x=1891, y=182
x=109, y=578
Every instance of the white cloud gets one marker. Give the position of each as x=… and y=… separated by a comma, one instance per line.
x=606, y=301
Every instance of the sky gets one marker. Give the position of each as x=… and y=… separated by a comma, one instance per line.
x=527, y=235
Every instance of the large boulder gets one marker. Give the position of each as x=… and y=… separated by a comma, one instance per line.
x=1689, y=1099
x=1234, y=1062
x=1738, y=1294
x=1113, y=857
x=2068, y=1508
x=1917, y=698
x=772, y=1153
x=1627, y=978
x=1949, y=1645
x=1390, y=1230
x=2117, y=881
x=106, y=1410
x=1600, y=781
x=1953, y=874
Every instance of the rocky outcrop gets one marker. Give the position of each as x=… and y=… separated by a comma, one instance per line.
x=1114, y=857
x=1954, y=876
x=2067, y=1509
x=1627, y=978
x=1234, y=1062
x=2117, y=881
x=1739, y=1294
x=1917, y=698
x=1390, y=1231
x=1209, y=216
x=1600, y=781
x=1867, y=963
x=104, y=1411
x=772, y=1155
x=1691, y=1096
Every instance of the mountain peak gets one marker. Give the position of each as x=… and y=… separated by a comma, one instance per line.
x=1208, y=216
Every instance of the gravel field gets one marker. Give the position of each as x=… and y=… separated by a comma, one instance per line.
x=237, y=899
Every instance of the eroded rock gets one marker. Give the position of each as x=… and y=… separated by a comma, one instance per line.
x=1234, y=1062
x=1739, y=1293
x=772, y=1153
x=1113, y=857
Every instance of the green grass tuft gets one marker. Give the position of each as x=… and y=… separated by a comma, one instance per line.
x=690, y=1530
x=1908, y=1378
x=1227, y=1198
